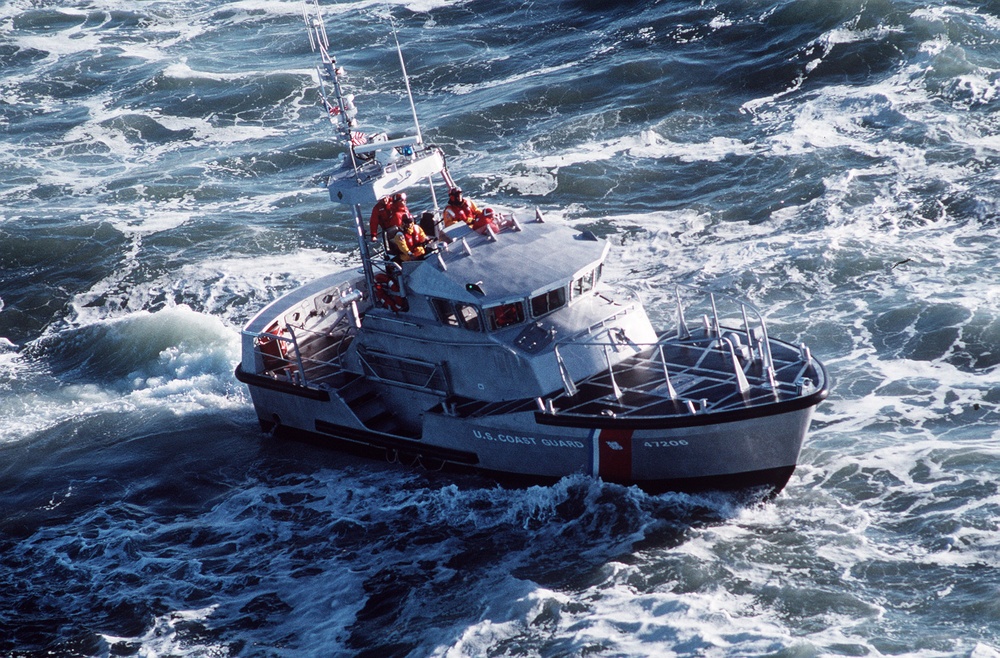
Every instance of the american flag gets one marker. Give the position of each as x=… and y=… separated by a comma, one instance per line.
x=358, y=138
x=334, y=110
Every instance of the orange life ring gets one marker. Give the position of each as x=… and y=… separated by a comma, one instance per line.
x=387, y=294
x=272, y=348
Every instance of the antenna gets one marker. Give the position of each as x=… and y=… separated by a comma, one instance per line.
x=317, y=31
x=343, y=113
x=406, y=79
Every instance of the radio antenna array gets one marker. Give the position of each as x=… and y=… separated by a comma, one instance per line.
x=342, y=113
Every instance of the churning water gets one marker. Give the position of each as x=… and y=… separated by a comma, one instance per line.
x=830, y=160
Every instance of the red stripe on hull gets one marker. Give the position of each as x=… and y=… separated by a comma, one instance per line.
x=615, y=454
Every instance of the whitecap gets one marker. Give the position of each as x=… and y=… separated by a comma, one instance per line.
x=174, y=360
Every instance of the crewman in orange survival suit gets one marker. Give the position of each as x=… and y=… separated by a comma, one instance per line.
x=460, y=209
x=486, y=220
x=411, y=240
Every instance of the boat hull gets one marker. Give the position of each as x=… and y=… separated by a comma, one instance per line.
x=759, y=450
x=373, y=446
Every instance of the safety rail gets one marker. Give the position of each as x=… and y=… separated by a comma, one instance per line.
x=306, y=357
x=728, y=362
x=413, y=374
x=697, y=374
x=707, y=304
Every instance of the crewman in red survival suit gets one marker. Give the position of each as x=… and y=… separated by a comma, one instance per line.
x=410, y=240
x=459, y=209
x=388, y=213
x=485, y=220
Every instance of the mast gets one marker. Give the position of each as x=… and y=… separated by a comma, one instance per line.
x=406, y=79
x=377, y=166
x=413, y=107
x=343, y=115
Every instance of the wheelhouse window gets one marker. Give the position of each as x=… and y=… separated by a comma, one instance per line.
x=504, y=315
x=583, y=284
x=586, y=282
x=445, y=312
x=457, y=314
x=468, y=317
x=548, y=301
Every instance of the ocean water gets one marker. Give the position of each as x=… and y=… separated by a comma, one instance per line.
x=834, y=162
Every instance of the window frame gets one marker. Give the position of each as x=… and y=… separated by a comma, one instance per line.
x=465, y=322
x=577, y=286
x=490, y=313
x=453, y=314
x=591, y=276
x=445, y=311
x=547, y=298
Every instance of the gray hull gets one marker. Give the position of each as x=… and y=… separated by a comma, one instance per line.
x=747, y=450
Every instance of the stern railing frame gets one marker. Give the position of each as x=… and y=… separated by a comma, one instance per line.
x=751, y=373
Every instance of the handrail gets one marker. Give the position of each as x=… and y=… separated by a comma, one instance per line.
x=298, y=362
x=493, y=342
x=389, y=319
x=704, y=363
x=716, y=337
x=436, y=370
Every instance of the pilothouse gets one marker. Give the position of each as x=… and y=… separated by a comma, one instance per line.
x=491, y=341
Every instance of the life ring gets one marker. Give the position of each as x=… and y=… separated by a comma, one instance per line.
x=387, y=294
x=272, y=348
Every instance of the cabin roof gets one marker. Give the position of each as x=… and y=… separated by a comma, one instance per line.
x=517, y=265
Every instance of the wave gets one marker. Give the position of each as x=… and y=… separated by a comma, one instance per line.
x=832, y=162
x=172, y=360
x=286, y=541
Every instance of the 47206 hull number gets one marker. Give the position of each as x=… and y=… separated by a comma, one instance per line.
x=665, y=444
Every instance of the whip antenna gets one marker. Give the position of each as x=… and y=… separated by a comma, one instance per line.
x=406, y=79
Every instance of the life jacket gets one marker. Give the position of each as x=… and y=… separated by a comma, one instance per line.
x=271, y=348
x=388, y=215
x=394, y=217
x=485, y=220
x=413, y=241
x=276, y=353
x=463, y=212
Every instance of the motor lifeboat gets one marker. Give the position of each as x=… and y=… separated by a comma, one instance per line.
x=506, y=351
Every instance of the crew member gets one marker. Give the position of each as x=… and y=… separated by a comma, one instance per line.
x=411, y=240
x=388, y=213
x=485, y=220
x=459, y=209
x=380, y=215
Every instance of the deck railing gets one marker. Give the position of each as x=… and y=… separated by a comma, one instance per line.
x=725, y=361
x=306, y=357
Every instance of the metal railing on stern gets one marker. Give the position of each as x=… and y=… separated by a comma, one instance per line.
x=725, y=363
x=306, y=357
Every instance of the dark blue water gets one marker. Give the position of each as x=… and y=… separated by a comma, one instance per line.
x=833, y=162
